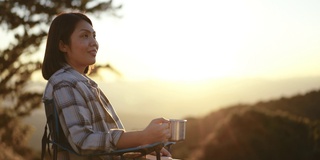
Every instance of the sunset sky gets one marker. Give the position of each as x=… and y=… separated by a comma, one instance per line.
x=183, y=40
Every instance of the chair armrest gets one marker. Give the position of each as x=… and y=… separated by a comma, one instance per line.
x=139, y=151
x=145, y=149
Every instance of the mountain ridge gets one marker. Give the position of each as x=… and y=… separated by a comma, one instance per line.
x=283, y=128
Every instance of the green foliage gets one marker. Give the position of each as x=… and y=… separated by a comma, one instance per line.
x=280, y=129
x=27, y=21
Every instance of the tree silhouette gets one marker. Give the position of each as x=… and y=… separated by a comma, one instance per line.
x=27, y=22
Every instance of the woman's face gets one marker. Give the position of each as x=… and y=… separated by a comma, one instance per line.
x=83, y=47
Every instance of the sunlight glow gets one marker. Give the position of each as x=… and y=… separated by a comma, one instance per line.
x=215, y=39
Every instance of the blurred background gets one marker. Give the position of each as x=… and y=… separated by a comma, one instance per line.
x=245, y=74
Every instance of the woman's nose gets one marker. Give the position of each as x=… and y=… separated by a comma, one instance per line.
x=95, y=43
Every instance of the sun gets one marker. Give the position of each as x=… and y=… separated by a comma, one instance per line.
x=201, y=68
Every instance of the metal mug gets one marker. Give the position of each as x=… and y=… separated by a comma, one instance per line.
x=178, y=130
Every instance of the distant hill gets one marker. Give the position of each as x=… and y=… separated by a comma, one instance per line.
x=284, y=128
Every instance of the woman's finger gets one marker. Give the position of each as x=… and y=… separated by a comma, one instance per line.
x=165, y=152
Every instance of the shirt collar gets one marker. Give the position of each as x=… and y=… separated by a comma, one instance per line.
x=81, y=77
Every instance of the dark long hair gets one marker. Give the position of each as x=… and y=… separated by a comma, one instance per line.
x=60, y=30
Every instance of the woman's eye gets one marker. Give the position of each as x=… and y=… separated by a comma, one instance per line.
x=85, y=35
x=88, y=35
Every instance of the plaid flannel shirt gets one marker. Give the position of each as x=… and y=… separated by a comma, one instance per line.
x=87, y=118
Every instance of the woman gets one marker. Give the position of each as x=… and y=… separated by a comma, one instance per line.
x=88, y=120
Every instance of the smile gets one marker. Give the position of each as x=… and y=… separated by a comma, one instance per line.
x=93, y=52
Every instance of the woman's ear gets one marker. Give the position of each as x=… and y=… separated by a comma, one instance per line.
x=62, y=47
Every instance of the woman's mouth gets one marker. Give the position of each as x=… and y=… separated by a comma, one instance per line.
x=93, y=52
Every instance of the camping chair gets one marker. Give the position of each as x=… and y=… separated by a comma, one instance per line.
x=58, y=141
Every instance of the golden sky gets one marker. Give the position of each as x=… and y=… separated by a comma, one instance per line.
x=199, y=40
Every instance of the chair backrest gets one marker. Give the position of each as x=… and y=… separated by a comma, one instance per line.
x=55, y=136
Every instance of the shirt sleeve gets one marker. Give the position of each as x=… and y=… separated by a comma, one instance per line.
x=89, y=134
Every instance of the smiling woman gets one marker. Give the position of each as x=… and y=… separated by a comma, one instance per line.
x=88, y=123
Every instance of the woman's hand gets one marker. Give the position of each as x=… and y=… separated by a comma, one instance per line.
x=157, y=131
x=165, y=152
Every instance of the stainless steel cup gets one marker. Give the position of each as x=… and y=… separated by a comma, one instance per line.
x=178, y=130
